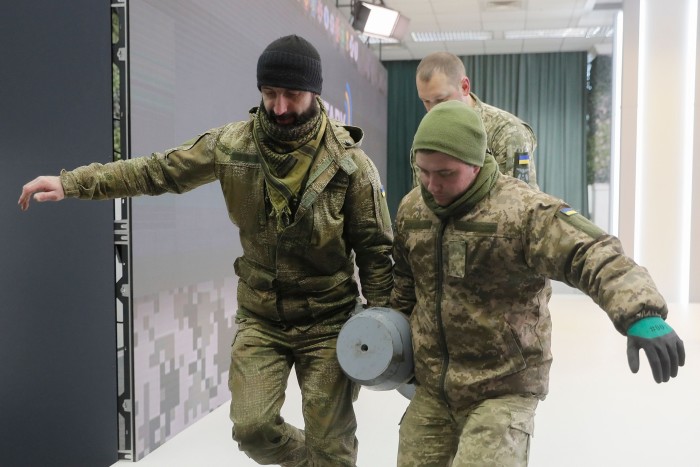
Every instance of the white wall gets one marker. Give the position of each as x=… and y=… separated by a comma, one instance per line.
x=658, y=114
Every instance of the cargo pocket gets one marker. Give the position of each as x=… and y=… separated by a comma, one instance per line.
x=256, y=289
x=523, y=422
x=326, y=293
x=456, y=259
x=522, y=426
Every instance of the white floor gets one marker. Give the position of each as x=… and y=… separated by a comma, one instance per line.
x=598, y=414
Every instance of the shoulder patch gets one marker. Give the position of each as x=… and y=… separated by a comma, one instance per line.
x=348, y=165
x=571, y=216
x=521, y=167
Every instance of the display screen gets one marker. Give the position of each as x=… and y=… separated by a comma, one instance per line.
x=192, y=67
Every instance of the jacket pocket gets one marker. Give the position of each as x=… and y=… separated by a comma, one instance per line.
x=456, y=258
x=327, y=293
x=255, y=277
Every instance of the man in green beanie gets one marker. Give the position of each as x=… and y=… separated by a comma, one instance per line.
x=309, y=207
x=474, y=252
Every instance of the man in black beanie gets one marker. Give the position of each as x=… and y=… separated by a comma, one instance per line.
x=309, y=206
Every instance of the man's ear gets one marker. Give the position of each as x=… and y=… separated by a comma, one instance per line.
x=465, y=85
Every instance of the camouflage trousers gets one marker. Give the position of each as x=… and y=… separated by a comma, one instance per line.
x=262, y=357
x=493, y=432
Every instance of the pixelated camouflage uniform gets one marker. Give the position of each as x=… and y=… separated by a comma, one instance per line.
x=297, y=284
x=509, y=140
x=477, y=289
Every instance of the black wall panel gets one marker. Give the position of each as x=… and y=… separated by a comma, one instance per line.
x=57, y=331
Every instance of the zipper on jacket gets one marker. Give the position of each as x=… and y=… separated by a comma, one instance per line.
x=438, y=310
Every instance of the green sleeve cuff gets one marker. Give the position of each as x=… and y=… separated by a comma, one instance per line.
x=649, y=328
x=70, y=187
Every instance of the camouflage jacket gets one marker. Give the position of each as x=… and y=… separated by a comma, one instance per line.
x=308, y=269
x=510, y=140
x=476, y=288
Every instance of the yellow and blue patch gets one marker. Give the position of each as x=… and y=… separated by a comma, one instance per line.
x=579, y=222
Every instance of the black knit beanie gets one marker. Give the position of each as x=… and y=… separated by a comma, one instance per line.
x=290, y=62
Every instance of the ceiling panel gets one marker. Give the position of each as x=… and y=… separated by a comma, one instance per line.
x=465, y=48
x=458, y=23
x=480, y=15
x=503, y=46
x=541, y=45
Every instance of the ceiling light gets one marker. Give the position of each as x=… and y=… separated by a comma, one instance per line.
x=451, y=36
x=378, y=21
x=503, y=5
x=544, y=33
x=373, y=40
x=587, y=33
x=600, y=31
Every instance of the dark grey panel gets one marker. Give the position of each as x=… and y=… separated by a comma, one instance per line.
x=57, y=337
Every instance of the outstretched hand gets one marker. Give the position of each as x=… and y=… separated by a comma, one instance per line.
x=44, y=188
x=662, y=346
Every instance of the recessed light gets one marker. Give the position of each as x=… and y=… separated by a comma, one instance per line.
x=451, y=36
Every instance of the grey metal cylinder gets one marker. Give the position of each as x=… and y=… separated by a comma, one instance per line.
x=374, y=349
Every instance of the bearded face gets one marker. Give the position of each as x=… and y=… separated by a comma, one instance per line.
x=289, y=108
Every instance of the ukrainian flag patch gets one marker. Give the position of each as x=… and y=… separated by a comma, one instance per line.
x=523, y=159
x=579, y=222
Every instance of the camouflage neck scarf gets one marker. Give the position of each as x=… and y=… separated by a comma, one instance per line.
x=286, y=155
x=483, y=183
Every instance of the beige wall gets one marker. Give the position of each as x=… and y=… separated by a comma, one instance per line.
x=655, y=211
x=695, y=224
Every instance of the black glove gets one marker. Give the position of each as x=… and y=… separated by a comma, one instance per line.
x=660, y=342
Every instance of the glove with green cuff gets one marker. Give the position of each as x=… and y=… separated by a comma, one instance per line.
x=660, y=342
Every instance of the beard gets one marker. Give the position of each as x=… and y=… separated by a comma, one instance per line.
x=298, y=118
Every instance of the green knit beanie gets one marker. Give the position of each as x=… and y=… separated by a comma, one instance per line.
x=453, y=128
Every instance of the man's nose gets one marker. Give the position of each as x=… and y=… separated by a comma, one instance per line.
x=281, y=105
